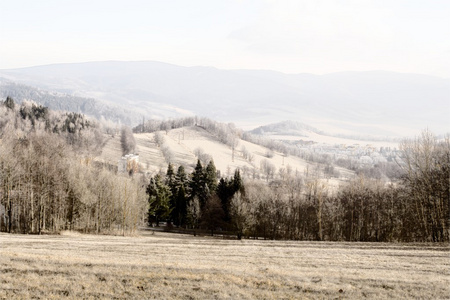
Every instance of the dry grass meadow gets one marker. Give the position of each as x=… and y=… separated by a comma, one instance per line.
x=170, y=266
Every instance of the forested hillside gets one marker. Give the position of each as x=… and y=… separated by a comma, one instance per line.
x=49, y=180
x=66, y=102
x=52, y=180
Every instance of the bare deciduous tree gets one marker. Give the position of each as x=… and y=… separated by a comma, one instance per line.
x=127, y=141
x=427, y=166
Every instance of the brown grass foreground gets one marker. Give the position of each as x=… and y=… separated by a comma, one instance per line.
x=169, y=266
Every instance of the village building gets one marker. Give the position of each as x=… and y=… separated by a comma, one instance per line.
x=128, y=163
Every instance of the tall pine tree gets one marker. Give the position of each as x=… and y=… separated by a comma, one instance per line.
x=225, y=193
x=238, y=184
x=180, y=209
x=211, y=177
x=198, y=185
x=170, y=181
x=179, y=200
x=159, y=200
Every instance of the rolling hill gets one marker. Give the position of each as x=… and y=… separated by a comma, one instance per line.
x=186, y=143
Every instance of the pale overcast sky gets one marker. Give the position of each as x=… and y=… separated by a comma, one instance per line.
x=297, y=36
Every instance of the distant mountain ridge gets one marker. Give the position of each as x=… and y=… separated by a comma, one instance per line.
x=366, y=103
x=64, y=102
x=293, y=129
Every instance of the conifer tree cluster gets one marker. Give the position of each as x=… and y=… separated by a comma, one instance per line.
x=197, y=200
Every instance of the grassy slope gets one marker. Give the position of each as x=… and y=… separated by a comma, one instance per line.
x=184, y=141
x=165, y=266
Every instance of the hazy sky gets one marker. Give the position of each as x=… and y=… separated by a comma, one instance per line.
x=298, y=36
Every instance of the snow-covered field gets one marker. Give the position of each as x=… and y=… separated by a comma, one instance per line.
x=170, y=266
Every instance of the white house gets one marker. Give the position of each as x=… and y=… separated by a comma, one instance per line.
x=128, y=162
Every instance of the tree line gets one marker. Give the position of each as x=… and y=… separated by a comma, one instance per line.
x=304, y=207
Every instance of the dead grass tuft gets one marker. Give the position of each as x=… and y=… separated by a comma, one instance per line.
x=69, y=233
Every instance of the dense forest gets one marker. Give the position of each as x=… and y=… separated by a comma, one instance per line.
x=51, y=182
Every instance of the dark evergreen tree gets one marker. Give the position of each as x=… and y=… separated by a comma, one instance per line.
x=159, y=200
x=180, y=196
x=9, y=103
x=211, y=177
x=212, y=214
x=238, y=184
x=180, y=209
x=225, y=193
x=170, y=175
x=181, y=177
x=170, y=181
x=226, y=190
x=198, y=184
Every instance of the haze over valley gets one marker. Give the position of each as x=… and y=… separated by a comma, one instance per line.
x=377, y=103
